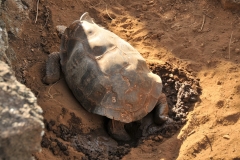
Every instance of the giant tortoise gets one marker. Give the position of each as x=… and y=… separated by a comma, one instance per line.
x=107, y=76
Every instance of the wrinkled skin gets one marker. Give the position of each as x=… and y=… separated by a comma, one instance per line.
x=107, y=76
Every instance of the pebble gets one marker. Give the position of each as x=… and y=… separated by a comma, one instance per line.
x=144, y=7
x=44, y=34
x=226, y=136
x=150, y=2
x=158, y=138
x=25, y=7
x=193, y=99
x=224, y=48
x=219, y=83
x=237, y=50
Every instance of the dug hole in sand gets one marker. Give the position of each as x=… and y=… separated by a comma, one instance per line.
x=196, y=41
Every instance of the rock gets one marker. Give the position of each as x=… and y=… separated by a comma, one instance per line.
x=21, y=122
x=3, y=42
x=231, y=4
x=60, y=30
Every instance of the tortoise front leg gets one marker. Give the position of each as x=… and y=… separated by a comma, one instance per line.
x=117, y=131
x=161, y=110
x=52, y=68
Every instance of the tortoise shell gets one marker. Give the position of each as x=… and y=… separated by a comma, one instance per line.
x=106, y=74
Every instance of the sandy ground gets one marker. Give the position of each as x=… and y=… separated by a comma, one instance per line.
x=197, y=36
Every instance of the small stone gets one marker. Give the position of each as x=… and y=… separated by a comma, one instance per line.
x=193, y=99
x=157, y=138
x=154, y=36
x=60, y=30
x=32, y=50
x=220, y=104
x=25, y=7
x=237, y=50
x=151, y=2
x=224, y=48
x=144, y=7
x=213, y=51
x=226, y=136
x=44, y=34
x=219, y=83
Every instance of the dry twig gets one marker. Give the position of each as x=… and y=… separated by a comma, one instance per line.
x=37, y=12
x=203, y=22
x=208, y=15
x=189, y=134
x=229, y=45
x=209, y=142
x=49, y=94
x=108, y=13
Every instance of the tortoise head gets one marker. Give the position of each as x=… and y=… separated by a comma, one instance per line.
x=78, y=35
x=82, y=29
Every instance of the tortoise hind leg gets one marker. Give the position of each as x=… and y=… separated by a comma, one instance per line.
x=117, y=131
x=161, y=110
x=52, y=68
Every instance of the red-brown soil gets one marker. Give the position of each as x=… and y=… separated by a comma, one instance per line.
x=199, y=37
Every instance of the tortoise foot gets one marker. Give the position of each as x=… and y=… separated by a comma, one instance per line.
x=52, y=68
x=161, y=110
x=117, y=131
